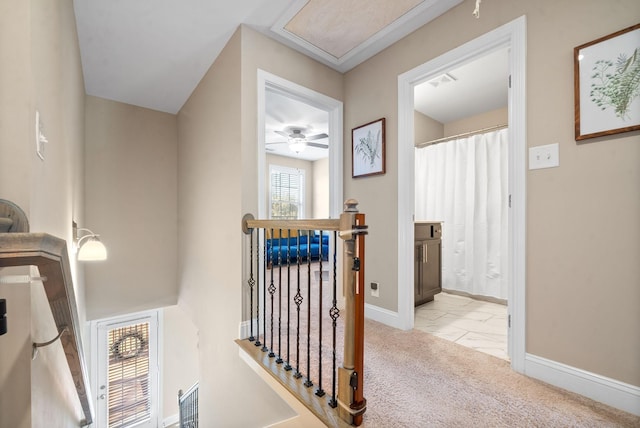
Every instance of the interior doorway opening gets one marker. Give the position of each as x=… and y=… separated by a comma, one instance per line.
x=461, y=185
x=274, y=90
x=511, y=36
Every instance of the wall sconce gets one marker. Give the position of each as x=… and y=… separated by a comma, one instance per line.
x=89, y=246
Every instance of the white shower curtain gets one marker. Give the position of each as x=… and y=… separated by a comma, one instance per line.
x=463, y=183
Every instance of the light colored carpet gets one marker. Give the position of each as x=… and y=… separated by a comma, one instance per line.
x=414, y=379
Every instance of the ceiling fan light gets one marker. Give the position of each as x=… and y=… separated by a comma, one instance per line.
x=297, y=145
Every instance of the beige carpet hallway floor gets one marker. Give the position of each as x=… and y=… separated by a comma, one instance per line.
x=414, y=379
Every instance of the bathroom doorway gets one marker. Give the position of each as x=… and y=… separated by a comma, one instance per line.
x=461, y=185
x=511, y=36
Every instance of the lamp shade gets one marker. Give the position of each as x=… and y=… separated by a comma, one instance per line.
x=92, y=250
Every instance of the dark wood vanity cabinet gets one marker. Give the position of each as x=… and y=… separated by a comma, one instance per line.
x=427, y=261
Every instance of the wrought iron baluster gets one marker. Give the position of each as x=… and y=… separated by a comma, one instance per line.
x=264, y=291
x=334, y=313
x=320, y=392
x=252, y=283
x=272, y=290
x=279, y=359
x=258, y=276
x=298, y=301
x=287, y=366
x=308, y=382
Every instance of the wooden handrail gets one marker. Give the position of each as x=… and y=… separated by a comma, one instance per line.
x=309, y=224
x=49, y=254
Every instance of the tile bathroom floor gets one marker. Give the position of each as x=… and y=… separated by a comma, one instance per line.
x=473, y=323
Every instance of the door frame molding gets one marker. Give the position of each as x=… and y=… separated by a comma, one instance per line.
x=156, y=317
x=332, y=106
x=513, y=36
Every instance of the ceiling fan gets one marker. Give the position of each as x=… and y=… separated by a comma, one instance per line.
x=297, y=141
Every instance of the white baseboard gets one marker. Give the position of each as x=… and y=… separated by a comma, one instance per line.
x=244, y=329
x=385, y=316
x=609, y=391
x=171, y=420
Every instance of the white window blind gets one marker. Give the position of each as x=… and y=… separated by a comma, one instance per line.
x=286, y=193
x=128, y=375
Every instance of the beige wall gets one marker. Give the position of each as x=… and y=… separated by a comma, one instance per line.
x=581, y=288
x=16, y=115
x=131, y=177
x=321, y=188
x=40, y=69
x=217, y=130
x=210, y=256
x=15, y=183
x=479, y=121
x=180, y=368
x=15, y=354
x=426, y=128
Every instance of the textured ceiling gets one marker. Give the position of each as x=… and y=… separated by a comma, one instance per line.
x=338, y=26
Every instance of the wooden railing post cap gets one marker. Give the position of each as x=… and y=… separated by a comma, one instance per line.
x=351, y=206
x=245, y=227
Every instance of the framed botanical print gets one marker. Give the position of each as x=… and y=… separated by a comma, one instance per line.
x=368, y=146
x=607, y=84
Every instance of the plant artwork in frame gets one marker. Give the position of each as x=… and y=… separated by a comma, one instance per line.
x=607, y=84
x=368, y=149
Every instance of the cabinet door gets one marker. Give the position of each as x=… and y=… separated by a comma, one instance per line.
x=417, y=272
x=432, y=268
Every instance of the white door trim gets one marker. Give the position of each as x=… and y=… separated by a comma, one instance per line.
x=155, y=319
x=512, y=35
x=321, y=101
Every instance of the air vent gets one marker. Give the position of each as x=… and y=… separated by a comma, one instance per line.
x=442, y=80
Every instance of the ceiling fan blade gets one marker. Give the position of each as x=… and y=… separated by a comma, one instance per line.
x=276, y=142
x=317, y=137
x=318, y=145
x=284, y=134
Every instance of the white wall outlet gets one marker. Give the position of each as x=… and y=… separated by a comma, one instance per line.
x=375, y=289
x=544, y=156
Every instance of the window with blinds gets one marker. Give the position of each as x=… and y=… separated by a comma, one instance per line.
x=286, y=193
x=128, y=375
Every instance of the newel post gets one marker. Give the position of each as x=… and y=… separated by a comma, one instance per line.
x=352, y=404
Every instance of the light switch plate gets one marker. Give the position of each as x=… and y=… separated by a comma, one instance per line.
x=547, y=156
x=40, y=138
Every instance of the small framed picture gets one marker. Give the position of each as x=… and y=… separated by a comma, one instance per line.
x=368, y=146
x=607, y=84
